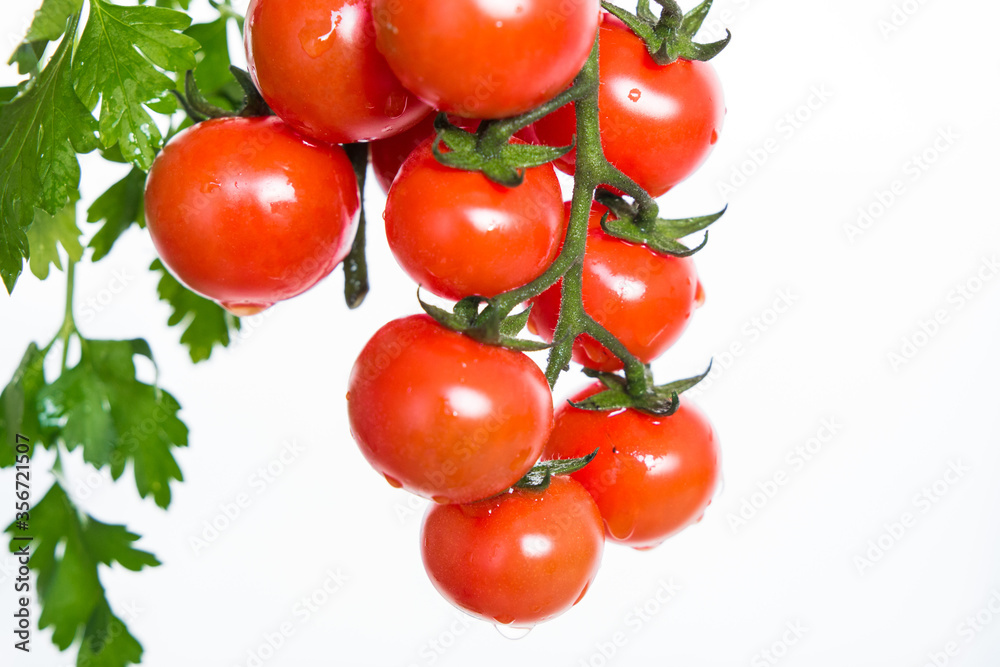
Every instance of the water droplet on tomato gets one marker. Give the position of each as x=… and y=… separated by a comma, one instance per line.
x=441, y=500
x=395, y=104
x=393, y=482
x=244, y=309
x=508, y=632
x=715, y=136
x=634, y=94
x=699, y=295
x=582, y=593
x=317, y=35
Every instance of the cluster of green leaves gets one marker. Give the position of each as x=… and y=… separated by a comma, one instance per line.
x=98, y=76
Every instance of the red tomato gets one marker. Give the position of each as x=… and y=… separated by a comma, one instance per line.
x=446, y=417
x=247, y=212
x=642, y=297
x=316, y=65
x=486, y=59
x=652, y=477
x=658, y=123
x=518, y=559
x=457, y=233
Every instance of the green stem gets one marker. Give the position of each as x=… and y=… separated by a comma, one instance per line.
x=68, y=327
x=592, y=169
x=355, y=265
x=497, y=133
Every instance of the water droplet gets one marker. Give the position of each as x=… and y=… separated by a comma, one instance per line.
x=507, y=632
x=634, y=94
x=244, y=309
x=499, y=24
x=441, y=500
x=715, y=136
x=393, y=482
x=395, y=104
x=315, y=37
x=699, y=295
x=582, y=593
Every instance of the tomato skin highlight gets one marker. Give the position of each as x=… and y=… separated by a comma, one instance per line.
x=652, y=476
x=247, y=212
x=486, y=59
x=658, y=123
x=642, y=297
x=518, y=559
x=316, y=65
x=457, y=234
x=444, y=416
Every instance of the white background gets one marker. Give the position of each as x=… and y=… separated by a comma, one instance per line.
x=883, y=100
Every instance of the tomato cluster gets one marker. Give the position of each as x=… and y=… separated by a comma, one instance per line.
x=250, y=211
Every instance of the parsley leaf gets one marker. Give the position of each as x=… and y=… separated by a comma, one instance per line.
x=119, y=208
x=45, y=236
x=50, y=20
x=17, y=405
x=206, y=323
x=41, y=130
x=116, y=63
x=101, y=406
x=69, y=585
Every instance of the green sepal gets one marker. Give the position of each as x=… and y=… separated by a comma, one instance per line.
x=464, y=318
x=505, y=164
x=540, y=476
x=661, y=401
x=660, y=235
x=671, y=36
x=199, y=109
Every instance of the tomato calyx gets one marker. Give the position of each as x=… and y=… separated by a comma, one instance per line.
x=540, y=476
x=199, y=109
x=490, y=153
x=485, y=326
x=671, y=35
x=626, y=221
x=662, y=400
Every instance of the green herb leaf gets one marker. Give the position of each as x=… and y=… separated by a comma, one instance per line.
x=18, y=413
x=69, y=585
x=119, y=208
x=540, y=476
x=47, y=233
x=100, y=405
x=41, y=131
x=50, y=20
x=206, y=324
x=115, y=65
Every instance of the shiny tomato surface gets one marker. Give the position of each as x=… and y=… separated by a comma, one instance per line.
x=517, y=559
x=486, y=58
x=316, y=65
x=247, y=212
x=444, y=416
x=658, y=122
x=652, y=477
x=642, y=297
x=458, y=234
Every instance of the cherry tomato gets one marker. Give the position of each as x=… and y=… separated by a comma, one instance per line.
x=642, y=297
x=247, y=212
x=652, y=476
x=658, y=123
x=316, y=65
x=446, y=417
x=486, y=59
x=457, y=233
x=518, y=559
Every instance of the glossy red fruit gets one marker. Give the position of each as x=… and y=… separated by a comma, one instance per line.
x=446, y=417
x=518, y=559
x=658, y=123
x=247, y=212
x=316, y=65
x=652, y=476
x=642, y=297
x=486, y=59
x=458, y=234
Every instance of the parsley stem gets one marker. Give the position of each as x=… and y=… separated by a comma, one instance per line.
x=69, y=324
